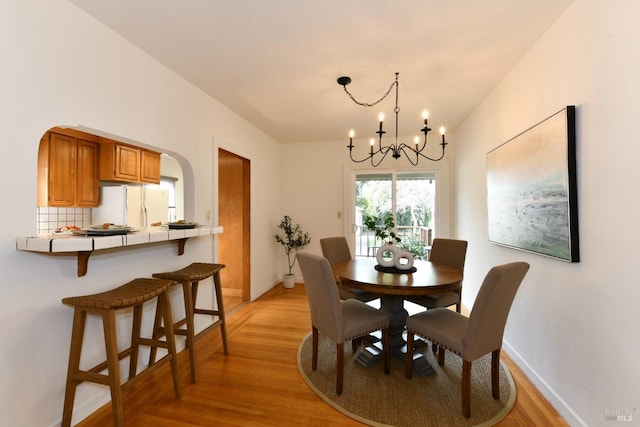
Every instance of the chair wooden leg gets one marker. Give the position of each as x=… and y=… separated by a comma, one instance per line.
x=111, y=346
x=495, y=374
x=339, y=367
x=314, y=347
x=135, y=340
x=355, y=344
x=466, y=388
x=434, y=347
x=409, y=362
x=189, y=317
x=77, y=333
x=386, y=354
x=221, y=312
x=157, y=333
x=441, y=351
x=165, y=308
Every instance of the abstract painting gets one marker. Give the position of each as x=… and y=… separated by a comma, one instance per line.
x=531, y=189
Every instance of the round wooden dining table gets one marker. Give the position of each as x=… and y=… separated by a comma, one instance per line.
x=429, y=278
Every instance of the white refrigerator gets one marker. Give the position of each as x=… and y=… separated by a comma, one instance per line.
x=136, y=206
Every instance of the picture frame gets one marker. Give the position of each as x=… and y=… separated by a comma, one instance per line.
x=532, y=200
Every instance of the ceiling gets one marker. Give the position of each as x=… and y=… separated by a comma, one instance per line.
x=275, y=62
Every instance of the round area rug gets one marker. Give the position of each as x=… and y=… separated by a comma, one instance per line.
x=371, y=397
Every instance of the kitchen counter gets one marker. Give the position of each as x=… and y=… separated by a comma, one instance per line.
x=85, y=245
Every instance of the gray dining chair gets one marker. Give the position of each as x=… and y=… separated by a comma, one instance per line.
x=452, y=253
x=339, y=320
x=336, y=250
x=474, y=336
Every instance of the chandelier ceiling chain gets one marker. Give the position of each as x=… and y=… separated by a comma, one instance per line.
x=396, y=148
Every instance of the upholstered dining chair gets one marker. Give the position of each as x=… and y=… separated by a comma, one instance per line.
x=340, y=320
x=452, y=253
x=336, y=250
x=474, y=336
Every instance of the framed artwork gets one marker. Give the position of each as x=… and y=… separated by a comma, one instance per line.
x=532, y=192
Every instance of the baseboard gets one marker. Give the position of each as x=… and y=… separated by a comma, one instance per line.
x=556, y=401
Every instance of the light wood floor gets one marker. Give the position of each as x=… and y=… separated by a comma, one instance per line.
x=258, y=383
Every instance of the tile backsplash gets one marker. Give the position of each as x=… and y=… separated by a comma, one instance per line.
x=49, y=219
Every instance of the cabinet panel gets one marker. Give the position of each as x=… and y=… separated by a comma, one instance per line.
x=87, y=192
x=150, y=166
x=62, y=170
x=67, y=171
x=127, y=165
x=119, y=162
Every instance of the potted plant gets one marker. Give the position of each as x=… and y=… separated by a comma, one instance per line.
x=292, y=239
x=393, y=253
x=384, y=232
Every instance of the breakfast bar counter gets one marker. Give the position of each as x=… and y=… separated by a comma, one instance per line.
x=85, y=245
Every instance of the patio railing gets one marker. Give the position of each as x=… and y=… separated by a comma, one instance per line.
x=367, y=243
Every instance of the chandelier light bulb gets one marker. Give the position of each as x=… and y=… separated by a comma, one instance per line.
x=351, y=133
x=381, y=117
x=425, y=114
x=442, y=129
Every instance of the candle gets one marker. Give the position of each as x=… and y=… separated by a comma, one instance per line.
x=442, y=130
x=416, y=140
x=381, y=118
x=425, y=116
x=351, y=134
x=371, y=141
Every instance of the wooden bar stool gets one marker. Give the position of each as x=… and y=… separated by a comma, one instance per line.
x=105, y=304
x=190, y=276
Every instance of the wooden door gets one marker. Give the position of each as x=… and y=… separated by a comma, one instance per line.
x=234, y=212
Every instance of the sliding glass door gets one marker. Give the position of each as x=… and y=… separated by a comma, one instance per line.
x=409, y=198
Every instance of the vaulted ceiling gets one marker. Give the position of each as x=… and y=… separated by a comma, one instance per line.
x=275, y=62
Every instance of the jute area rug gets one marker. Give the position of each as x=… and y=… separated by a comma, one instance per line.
x=376, y=399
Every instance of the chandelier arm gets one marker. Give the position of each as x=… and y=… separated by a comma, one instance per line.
x=359, y=161
x=433, y=159
x=384, y=155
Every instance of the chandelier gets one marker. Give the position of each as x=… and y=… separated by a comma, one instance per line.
x=378, y=154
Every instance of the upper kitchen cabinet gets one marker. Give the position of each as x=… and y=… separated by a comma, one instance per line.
x=149, y=166
x=68, y=169
x=126, y=163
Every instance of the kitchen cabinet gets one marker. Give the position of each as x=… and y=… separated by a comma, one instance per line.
x=67, y=171
x=149, y=166
x=127, y=163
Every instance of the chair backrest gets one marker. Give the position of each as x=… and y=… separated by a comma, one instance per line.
x=449, y=252
x=335, y=249
x=491, y=309
x=322, y=292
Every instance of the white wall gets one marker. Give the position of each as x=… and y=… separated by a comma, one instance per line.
x=61, y=67
x=573, y=327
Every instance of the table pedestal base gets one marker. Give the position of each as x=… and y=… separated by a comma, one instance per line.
x=371, y=354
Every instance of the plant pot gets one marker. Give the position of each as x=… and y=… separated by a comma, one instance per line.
x=289, y=281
